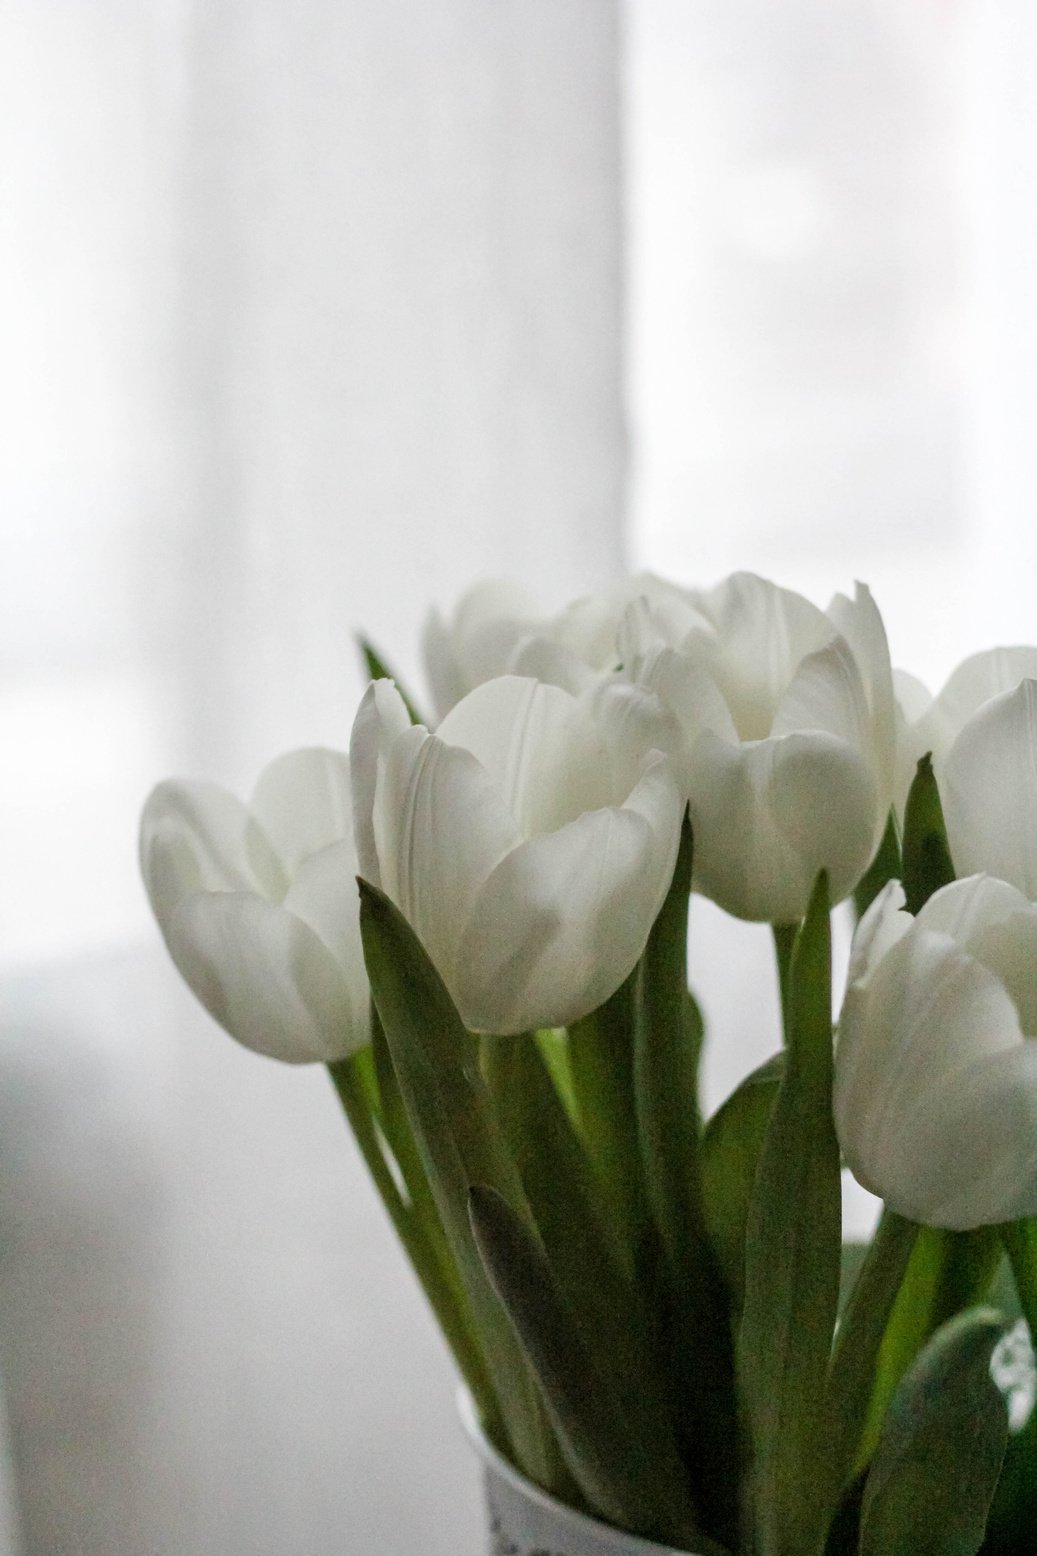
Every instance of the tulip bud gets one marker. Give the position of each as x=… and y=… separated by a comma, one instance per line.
x=989, y=790
x=935, y=1095
x=259, y=908
x=497, y=630
x=933, y=724
x=787, y=736
x=529, y=843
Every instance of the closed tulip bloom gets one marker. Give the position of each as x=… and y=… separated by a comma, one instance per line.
x=935, y=1095
x=989, y=790
x=933, y=724
x=497, y=629
x=259, y=907
x=529, y=842
x=787, y=736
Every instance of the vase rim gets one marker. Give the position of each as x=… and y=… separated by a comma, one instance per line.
x=625, y=1544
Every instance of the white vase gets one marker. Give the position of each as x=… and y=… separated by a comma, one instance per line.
x=525, y=1521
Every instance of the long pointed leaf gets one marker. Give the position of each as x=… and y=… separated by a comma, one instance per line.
x=620, y=1475
x=937, y=1463
x=696, y=1310
x=435, y=1060
x=862, y=1325
x=585, y=1266
x=792, y=1263
x=887, y=865
x=927, y=855
x=730, y=1154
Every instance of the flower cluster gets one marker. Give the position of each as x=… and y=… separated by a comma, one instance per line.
x=503, y=1003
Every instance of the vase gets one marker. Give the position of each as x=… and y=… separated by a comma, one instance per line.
x=522, y=1520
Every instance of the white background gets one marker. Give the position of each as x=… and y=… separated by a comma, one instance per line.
x=308, y=315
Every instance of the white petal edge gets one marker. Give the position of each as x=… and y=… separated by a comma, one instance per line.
x=564, y=918
x=266, y=977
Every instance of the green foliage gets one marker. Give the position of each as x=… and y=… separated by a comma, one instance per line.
x=927, y=855
x=940, y=1452
x=792, y=1262
x=378, y=670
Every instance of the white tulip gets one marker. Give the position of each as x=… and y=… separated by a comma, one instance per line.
x=529, y=842
x=989, y=790
x=935, y=1095
x=258, y=904
x=496, y=629
x=787, y=735
x=933, y=724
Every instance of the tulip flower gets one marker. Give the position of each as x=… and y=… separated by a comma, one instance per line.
x=258, y=905
x=989, y=790
x=529, y=842
x=496, y=629
x=935, y=1095
x=787, y=742
x=933, y=724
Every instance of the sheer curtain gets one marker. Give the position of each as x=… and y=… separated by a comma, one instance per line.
x=311, y=314
x=831, y=329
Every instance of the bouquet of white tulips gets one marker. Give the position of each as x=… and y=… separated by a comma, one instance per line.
x=656, y=1316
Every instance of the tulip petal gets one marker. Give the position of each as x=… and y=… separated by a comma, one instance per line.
x=541, y=659
x=563, y=919
x=885, y=922
x=541, y=750
x=688, y=691
x=916, y=1079
x=769, y=815
x=989, y=790
x=762, y=634
x=302, y=801
x=983, y=676
x=324, y=895
x=827, y=693
x=197, y=837
x=440, y=830
x=966, y=907
x=860, y=623
x=442, y=670
x=265, y=976
x=381, y=717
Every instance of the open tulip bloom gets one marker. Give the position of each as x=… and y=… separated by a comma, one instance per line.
x=481, y=927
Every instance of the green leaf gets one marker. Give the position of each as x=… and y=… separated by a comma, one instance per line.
x=729, y=1156
x=618, y=1472
x=850, y=1265
x=420, y=1232
x=1013, y=1513
x=696, y=1322
x=942, y=1445
x=601, y=1066
x=861, y=1329
x=585, y=1266
x=792, y=1263
x=927, y=855
x=435, y=1060
x=1020, y=1241
x=378, y=670
x=946, y=1273
x=886, y=866
x=667, y=1046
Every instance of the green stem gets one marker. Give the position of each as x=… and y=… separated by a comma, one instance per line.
x=784, y=940
x=440, y=1291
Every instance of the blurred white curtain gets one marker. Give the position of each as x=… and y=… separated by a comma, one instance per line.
x=832, y=329
x=310, y=314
